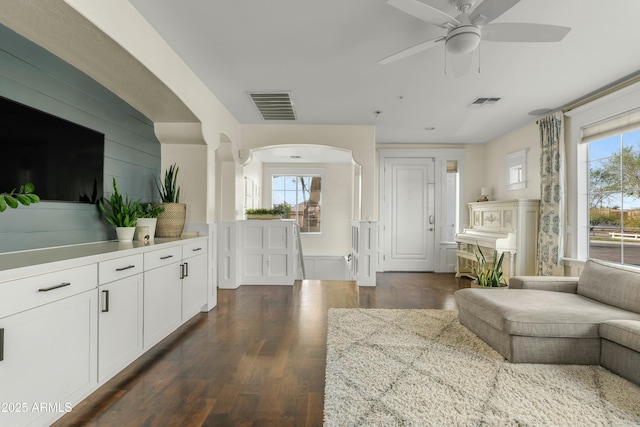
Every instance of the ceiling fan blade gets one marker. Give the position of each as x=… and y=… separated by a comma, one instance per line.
x=424, y=12
x=489, y=10
x=523, y=33
x=411, y=51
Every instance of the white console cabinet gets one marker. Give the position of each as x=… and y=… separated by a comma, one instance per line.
x=194, y=279
x=120, y=314
x=162, y=294
x=73, y=317
x=48, y=345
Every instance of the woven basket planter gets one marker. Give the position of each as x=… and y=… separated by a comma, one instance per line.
x=171, y=221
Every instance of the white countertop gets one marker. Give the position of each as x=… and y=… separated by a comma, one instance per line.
x=15, y=265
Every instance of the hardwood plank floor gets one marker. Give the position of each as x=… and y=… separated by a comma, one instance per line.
x=257, y=359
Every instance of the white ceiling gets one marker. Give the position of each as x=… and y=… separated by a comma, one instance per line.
x=326, y=53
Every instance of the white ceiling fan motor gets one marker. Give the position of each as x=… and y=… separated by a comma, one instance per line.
x=463, y=39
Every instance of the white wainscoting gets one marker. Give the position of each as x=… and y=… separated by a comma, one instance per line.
x=326, y=267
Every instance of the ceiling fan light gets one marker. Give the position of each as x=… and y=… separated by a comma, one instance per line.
x=463, y=39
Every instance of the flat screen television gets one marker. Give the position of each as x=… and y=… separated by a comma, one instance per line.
x=64, y=160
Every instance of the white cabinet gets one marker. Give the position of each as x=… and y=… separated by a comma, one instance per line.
x=268, y=251
x=120, y=314
x=71, y=318
x=49, y=345
x=162, y=294
x=194, y=279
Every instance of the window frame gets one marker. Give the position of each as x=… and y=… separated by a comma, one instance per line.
x=298, y=171
x=622, y=101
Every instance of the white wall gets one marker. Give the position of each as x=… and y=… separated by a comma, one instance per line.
x=527, y=137
x=253, y=171
x=335, y=239
x=359, y=139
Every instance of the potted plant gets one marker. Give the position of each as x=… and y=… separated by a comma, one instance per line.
x=488, y=274
x=121, y=213
x=23, y=196
x=148, y=216
x=171, y=220
x=280, y=211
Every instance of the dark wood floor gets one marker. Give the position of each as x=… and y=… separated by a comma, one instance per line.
x=257, y=359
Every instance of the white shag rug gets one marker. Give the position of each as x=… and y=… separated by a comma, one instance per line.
x=422, y=368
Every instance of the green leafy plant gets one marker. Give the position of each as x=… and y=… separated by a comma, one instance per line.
x=24, y=196
x=261, y=211
x=283, y=210
x=147, y=210
x=169, y=190
x=118, y=211
x=489, y=274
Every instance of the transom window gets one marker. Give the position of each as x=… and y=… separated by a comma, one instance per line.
x=303, y=193
x=614, y=198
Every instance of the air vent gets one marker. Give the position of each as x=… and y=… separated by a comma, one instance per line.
x=483, y=102
x=274, y=105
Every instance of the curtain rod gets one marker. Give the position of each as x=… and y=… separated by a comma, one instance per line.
x=606, y=90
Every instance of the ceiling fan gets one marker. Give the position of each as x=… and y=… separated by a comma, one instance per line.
x=465, y=31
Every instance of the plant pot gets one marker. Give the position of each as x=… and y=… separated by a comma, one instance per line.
x=264, y=216
x=171, y=221
x=125, y=234
x=148, y=222
x=474, y=284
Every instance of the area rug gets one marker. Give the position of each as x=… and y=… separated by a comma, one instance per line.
x=422, y=368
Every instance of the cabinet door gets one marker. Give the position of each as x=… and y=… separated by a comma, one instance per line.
x=162, y=303
x=49, y=358
x=194, y=286
x=119, y=325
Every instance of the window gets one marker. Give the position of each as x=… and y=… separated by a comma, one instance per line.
x=516, y=166
x=304, y=194
x=451, y=201
x=614, y=198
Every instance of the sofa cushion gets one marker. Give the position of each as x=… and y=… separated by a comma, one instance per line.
x=535, y=313
x=623, y=332
x=611, y=284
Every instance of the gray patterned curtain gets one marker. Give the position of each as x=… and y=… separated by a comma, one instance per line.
x=551, y=233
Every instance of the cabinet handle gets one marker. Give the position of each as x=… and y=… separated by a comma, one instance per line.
x=166, y=257
x=196, y=249
x=1, y=344
x=106, y=301
x=186, y=269
x=51, y=288
x=181, y=271
x=125, y=268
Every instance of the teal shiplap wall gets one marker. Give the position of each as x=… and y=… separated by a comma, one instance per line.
x=33, y=76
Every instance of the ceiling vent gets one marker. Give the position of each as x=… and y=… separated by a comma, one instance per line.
x=483, y=102
x=274, y=105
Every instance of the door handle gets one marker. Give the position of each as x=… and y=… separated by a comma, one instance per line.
x=431, y=219
x=106, y=301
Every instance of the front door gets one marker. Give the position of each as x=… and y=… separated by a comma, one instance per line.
x=409, y=214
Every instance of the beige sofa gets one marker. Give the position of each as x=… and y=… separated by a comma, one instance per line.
x=593, y=319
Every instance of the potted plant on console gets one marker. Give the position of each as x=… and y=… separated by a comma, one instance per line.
x=171, y=221
x=121, y=213
x=488, y=274
x=148, y=216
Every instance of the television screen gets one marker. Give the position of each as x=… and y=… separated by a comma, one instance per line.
x=62, y=159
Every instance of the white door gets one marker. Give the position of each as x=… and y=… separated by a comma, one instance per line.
x=409, y=214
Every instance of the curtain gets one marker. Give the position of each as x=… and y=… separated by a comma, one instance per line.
x=551, y=232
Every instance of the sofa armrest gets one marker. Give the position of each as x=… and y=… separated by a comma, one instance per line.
x=545, y=283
